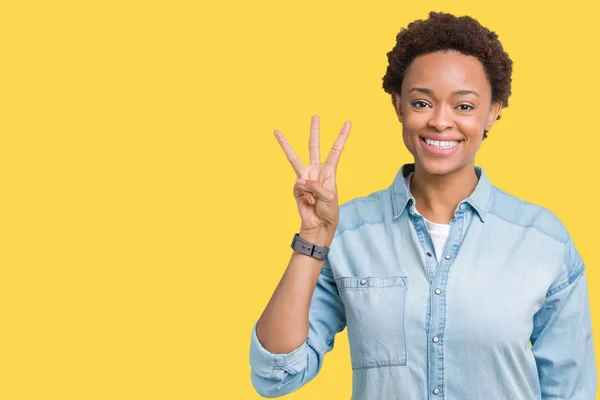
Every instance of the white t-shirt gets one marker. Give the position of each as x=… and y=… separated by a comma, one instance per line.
x=439, y=233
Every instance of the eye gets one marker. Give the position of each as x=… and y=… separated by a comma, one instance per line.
x=415, y=104
x=466, y=109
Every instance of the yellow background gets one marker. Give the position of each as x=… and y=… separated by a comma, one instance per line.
x=147, y=209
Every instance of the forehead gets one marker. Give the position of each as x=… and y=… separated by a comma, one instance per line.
x=446, y=71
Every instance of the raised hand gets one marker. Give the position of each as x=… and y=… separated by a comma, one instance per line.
x=315, y=189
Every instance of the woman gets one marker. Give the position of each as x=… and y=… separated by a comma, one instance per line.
x=450, y=287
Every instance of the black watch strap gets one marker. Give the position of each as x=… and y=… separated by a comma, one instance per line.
x=309, y=249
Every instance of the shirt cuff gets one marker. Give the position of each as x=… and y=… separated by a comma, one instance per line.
x=275, y=366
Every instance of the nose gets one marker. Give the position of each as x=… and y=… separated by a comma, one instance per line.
x=441, y=118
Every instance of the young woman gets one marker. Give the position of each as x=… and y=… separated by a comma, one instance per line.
x=450, y=287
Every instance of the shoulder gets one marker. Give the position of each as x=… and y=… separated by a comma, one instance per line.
x=369, y=209
x=514, y=210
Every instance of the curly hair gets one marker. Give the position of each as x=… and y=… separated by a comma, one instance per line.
x=443, y=31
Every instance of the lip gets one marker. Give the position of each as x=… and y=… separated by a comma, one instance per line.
x=435, y=150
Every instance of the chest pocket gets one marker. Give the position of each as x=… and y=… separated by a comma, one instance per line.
x=375, y=319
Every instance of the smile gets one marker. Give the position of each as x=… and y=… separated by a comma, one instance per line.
x=440, y=147
x=442, y=144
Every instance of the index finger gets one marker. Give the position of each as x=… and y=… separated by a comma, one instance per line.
x=336, y=150
x=298, y=165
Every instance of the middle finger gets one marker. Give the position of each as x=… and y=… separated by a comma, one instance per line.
x=313, y=143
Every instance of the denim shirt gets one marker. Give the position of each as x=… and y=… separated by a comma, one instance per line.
x=505, y=314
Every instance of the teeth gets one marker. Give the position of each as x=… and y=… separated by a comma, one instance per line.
x=442, y=144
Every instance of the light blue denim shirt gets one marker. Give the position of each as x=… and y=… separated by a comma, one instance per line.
x=505, y=314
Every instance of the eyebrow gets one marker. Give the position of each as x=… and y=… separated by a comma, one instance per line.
x=430, y=92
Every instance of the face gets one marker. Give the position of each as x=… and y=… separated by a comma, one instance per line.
x=444, y=107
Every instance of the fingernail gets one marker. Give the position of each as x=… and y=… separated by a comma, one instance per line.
x=301, y=182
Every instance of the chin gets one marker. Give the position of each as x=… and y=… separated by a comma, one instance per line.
x=440, y=167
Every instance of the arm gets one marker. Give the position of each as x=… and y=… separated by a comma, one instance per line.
x=305, y=312
x=275, y=373
x=562, y=336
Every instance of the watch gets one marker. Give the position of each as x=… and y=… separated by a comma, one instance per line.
x=309, y=249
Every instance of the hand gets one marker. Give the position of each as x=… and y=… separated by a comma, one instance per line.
x=315, y=190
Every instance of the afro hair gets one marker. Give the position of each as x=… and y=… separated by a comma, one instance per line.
x=443, y=31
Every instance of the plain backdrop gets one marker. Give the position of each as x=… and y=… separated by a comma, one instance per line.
x=146, y=209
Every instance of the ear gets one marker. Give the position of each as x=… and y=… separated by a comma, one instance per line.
x=495, y=108
x=397, y=103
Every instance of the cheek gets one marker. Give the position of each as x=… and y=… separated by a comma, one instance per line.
x=409, y=137
x=415, y=121
x=413, y=124
x=471, y=125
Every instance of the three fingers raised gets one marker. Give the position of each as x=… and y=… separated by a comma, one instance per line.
x=313, y=146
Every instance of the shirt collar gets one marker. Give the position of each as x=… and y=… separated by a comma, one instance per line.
x=479, y=199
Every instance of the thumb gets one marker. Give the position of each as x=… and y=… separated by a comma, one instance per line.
x=315, y=188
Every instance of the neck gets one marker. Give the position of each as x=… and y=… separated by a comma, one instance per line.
x=437, y=196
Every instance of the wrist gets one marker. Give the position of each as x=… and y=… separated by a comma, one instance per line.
x=322, y=237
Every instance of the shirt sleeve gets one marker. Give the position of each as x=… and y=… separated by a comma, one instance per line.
x=562, y=341
x=275, y=375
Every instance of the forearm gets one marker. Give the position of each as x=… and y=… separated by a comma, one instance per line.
x=283, y=325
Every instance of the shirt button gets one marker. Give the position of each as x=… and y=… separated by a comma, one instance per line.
x=438, y=291
x=447, y=256
x=436, y=391
x=435, y=339
x=363, y=281
x=429, y=254
x=462, y=206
